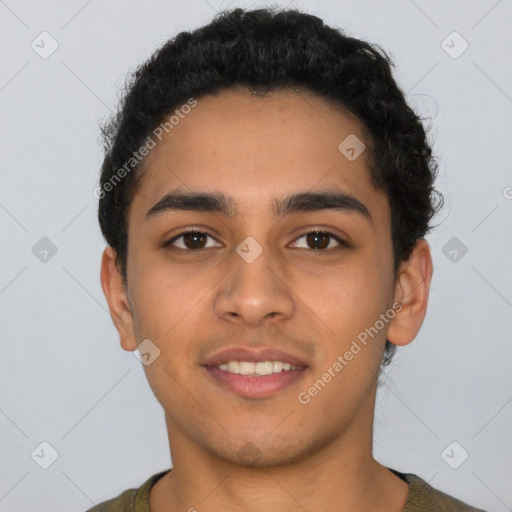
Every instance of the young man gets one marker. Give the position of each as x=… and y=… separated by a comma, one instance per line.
x=264, y=195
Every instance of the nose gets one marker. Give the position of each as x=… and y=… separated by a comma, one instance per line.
x=256, y=290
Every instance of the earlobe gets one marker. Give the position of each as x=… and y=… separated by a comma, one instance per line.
x=412, y=291
x=119, y=305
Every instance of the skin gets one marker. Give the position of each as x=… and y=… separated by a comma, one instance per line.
x=314, y=457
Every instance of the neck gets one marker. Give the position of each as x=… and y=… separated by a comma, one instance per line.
x=341, y=475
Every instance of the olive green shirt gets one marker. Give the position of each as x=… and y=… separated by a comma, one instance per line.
x=421, y=498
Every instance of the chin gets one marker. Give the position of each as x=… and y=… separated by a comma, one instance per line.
x=265, y=450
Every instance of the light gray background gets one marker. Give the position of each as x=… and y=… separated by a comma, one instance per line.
x=65, y=380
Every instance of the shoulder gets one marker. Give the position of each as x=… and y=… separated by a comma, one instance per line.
x=131, y=500
x=125, y=502
x=423, y=497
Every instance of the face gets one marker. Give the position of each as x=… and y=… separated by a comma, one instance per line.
x=295, y=284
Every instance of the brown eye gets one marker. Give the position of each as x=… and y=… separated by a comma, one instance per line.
x=316, y=240
x=192, y=240
x=320, y=240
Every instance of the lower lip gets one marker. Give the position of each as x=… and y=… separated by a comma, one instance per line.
x=255, y=387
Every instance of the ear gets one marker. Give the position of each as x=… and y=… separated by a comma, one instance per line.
x=118, y=302
x=411, y=290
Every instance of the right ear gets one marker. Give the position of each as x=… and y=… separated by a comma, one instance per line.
x=116, y=294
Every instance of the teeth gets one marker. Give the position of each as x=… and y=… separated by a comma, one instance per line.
x=256, y=369
x=277, y=366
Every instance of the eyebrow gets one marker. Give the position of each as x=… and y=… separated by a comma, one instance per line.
x=218, y=202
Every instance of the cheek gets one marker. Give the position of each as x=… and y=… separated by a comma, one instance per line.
x=173, y=310
x=168, y=298
x=348, y=299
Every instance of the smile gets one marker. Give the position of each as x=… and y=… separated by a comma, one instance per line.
x=256, y=369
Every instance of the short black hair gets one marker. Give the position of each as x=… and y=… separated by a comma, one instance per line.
x=265, y=50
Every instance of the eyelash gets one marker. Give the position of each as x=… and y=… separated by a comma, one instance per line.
x=169, y=243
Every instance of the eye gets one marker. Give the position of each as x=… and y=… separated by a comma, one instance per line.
x=320, y=239
x=193, y=240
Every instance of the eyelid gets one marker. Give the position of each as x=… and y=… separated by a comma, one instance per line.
x=323, y=231
x=341, y=241
x=201, y=231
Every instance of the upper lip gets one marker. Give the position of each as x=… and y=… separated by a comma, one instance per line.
x=252, y=354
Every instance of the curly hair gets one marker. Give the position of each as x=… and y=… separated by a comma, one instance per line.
x=264, y=50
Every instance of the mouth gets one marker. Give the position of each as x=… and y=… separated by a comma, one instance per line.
x=254, y=374
x=258, y=369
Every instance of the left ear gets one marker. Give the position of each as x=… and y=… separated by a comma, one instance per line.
x=411, y=290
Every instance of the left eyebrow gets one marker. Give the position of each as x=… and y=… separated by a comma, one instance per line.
x=217, y=202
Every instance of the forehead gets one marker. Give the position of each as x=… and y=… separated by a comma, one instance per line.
x=255, y=147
